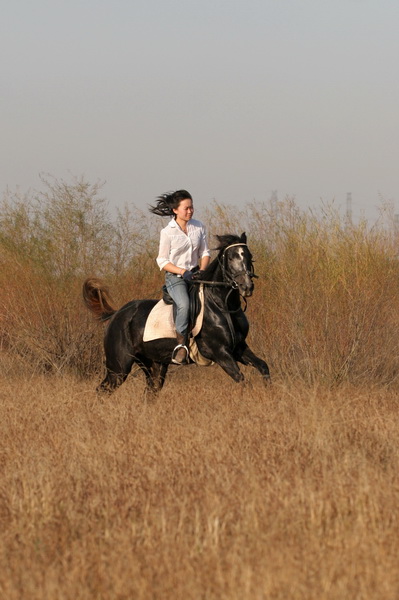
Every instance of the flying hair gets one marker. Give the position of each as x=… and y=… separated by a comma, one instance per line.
x=165, y=203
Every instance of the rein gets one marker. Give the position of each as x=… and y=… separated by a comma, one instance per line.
x=214, y=283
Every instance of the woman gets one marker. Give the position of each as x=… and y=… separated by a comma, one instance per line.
x=182, y=247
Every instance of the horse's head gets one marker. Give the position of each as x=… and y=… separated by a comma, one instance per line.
x=236, y=260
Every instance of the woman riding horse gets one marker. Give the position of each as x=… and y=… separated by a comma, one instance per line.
x=182, y=248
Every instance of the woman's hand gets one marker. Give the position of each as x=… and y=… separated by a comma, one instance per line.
x=187, y=275
x=198, y=275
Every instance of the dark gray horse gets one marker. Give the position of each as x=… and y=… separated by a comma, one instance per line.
x=221, y=339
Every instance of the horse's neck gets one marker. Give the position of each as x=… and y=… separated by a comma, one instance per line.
x=222, y=293
x=218, y=273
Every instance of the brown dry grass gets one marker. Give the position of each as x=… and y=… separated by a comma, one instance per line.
x=216, y=491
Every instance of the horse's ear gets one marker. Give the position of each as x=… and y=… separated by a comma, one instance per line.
x=244, y=237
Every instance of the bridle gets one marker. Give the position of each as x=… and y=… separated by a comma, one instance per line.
x=228, y=279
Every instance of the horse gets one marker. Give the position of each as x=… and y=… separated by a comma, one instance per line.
x=227, y=282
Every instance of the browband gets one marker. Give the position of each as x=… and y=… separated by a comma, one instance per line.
x=238, y=244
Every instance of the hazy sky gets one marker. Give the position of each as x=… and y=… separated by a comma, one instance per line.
x=229, y=99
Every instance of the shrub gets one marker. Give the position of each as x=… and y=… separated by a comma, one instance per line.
x=324, y=309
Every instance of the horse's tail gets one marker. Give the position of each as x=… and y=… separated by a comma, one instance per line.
x=97, y=298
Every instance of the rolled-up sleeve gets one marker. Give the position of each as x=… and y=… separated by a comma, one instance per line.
x=203, y=248
x=164, y=250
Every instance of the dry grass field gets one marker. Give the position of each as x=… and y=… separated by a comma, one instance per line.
x=215, y=491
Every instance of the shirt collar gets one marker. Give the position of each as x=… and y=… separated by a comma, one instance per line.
x=172, y=223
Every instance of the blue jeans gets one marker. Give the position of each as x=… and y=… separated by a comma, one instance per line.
x=177, y=289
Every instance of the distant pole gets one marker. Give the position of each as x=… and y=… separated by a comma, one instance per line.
x=349, y=208
x=274, y=201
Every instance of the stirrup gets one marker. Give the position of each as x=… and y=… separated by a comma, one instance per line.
x=174, y=361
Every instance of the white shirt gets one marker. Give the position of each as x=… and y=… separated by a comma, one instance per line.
x=183, y=251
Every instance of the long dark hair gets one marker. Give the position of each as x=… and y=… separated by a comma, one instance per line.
x=167, y=202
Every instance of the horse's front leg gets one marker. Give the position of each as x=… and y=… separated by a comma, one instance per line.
x=229, y=365
x=247, y=357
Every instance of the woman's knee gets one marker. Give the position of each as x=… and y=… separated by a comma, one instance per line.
x=183, y=304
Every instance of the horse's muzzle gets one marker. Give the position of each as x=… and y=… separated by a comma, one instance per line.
x=246, y=287
x=248, y=293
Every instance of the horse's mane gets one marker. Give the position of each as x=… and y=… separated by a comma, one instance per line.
x=223, y=242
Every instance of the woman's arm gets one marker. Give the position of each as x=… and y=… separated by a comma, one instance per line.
x=204, y=253
x=163, y=258
x=171, y=268
x=204, y=262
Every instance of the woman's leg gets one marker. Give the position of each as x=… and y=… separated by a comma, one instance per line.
x=177, y=289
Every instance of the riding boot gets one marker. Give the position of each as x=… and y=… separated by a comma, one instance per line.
x=180, y=353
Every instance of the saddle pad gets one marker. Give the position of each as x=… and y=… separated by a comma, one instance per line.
x=160, y=322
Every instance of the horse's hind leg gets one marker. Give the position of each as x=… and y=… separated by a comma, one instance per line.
x=110, y=382
x=116, y=375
